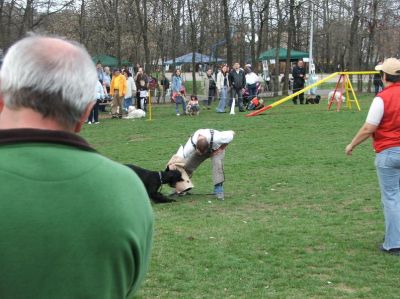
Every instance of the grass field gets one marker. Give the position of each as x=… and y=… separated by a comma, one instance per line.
x=300, y=219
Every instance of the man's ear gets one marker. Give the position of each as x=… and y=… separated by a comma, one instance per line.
x=84, y=117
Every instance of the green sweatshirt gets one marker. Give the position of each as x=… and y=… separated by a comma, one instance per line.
x=73, y=224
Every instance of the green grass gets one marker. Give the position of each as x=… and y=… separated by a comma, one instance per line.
x=300, y=219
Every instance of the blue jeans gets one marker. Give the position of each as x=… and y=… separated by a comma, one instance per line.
x=127, y=103
x=222, y=100
x=387, y=165
x=180, y=101
x=252, y=90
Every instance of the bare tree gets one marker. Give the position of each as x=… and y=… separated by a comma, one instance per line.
x=227, y=31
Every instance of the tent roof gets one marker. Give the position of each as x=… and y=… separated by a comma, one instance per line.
x=294, y=54
x=108, y=60
x=199, y=58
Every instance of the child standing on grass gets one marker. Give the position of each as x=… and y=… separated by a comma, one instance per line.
x=143, y=94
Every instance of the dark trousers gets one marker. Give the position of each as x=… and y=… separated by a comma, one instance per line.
x=102, y=108
x=378, y=86
x=252, y=91
x=239, y=94
x=94, y=114
x=210, y=97
x=300, y=96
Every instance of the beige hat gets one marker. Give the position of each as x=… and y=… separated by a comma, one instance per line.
x=390, y=66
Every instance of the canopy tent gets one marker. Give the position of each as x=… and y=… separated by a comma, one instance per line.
x=198, y=58
x=294, y=54
x=108, y=60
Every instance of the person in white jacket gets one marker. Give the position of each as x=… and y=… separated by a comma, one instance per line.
x=251, y=81
x=223, y=88
x=130, y=90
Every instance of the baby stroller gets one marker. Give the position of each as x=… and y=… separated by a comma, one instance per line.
x=246, y=94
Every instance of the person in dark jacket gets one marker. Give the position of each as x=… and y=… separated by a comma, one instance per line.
x=299, y=77
x=237, y=82
x=378, y=84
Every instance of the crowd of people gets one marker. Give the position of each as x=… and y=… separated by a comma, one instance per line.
x=121, y=89
x=239, y=84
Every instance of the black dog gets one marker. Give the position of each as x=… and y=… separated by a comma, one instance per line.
x=153, y=180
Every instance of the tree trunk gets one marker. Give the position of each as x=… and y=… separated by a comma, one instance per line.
x=263, y=16
x=229, y=56
x=291, y=26
x=194, y=46
x=253, y=37
x=143, y=23
x=277, y=46
x=176, y=30
x=82, y=23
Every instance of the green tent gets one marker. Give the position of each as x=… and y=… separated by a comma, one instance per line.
x=108, y=60
x=294, y=55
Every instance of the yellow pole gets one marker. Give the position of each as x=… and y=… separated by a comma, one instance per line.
x=359, y=73
x=285, y=99
x=302, y=91
x=346, y=89
x=354, y=95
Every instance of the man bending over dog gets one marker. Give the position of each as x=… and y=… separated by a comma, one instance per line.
x=63, y=232
x=204, y=144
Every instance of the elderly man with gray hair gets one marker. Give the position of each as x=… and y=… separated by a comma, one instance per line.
x=62, y=233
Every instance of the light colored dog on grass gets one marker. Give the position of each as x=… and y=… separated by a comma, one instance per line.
x=135, y=113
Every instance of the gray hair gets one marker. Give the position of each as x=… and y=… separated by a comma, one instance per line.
x=50, y=75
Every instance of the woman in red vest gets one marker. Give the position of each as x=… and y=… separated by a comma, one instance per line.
x=383, y=125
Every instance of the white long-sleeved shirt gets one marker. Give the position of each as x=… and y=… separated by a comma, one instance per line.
x=130, y=87
x=220, y=138
x=99, y=91
x=252, y=78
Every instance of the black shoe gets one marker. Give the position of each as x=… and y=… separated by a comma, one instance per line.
x=392, y=251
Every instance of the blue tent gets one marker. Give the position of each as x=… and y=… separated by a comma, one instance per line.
x=199, y=58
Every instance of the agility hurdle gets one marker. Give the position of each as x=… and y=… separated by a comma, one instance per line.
x=347, y=87
x=287, y=98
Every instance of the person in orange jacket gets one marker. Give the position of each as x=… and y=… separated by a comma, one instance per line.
x=118, y=90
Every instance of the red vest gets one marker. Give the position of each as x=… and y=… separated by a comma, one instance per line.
x=388, y=132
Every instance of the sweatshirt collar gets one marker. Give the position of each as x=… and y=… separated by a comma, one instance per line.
x=13, y=136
